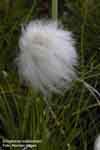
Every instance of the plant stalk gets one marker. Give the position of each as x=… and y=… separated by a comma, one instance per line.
x=54, y=9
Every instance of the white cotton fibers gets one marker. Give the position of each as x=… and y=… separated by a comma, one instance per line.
x=47, y=56
x=97, y=143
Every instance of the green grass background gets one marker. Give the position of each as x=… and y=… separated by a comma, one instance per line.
x=23, y=112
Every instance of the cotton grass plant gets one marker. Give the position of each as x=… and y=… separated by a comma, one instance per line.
x=47, y=58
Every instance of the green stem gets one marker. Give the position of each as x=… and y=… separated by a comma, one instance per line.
x=54, y=9
x=7, y=5
x=84, y=14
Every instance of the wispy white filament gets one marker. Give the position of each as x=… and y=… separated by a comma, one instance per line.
x=97, y=143
x=47, y=56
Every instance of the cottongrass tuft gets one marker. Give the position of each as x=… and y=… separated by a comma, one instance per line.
x=97, y=143
x=47, y=56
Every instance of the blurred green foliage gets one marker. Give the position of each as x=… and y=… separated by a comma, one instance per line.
x=23, y=112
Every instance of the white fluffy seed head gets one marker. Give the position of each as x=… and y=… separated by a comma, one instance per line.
x=47, y=56
x=97, y=143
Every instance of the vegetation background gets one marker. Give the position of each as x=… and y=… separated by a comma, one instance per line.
x=23, y=112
